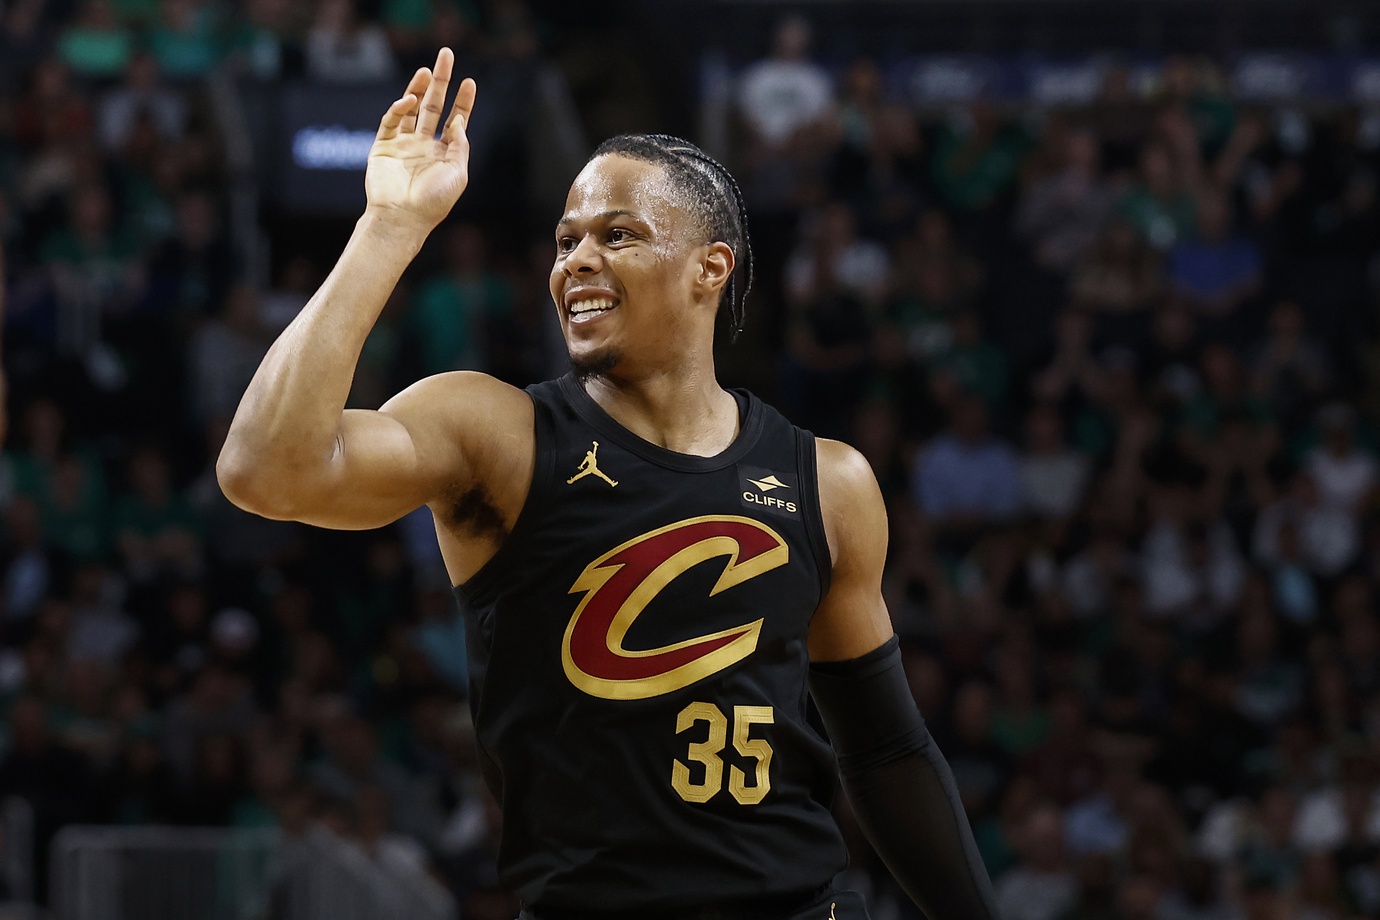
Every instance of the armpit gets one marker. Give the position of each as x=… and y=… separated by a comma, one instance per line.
x=474, y=513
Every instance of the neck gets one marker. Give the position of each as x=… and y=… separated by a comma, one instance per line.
x=682, y=409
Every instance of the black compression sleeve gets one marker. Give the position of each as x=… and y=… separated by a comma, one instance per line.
x=901, y=788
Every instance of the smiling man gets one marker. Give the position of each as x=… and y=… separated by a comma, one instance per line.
x=655, y=571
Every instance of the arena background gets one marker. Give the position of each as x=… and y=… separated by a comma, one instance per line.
x=1093, y=285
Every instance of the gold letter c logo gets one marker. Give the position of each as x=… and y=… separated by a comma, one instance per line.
x=619, y=585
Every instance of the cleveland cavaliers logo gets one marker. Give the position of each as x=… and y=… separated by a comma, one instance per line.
x=620, y=584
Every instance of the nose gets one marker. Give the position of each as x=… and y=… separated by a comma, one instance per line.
x=584, y=258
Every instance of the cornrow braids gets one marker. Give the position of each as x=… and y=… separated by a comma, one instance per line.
x=711, y=193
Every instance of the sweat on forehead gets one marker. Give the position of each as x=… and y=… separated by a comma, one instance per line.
x=612, y=183
x=701, y=184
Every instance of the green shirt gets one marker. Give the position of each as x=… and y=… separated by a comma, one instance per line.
x=972, y=179
x=1018, y=733
x=447, y=314
x=1204, y=413
x=133, y=514
x=416, y=15
x=1162, y=222
x=980, y=368
x=192, y=53
x=135, y=12
x=95, y=53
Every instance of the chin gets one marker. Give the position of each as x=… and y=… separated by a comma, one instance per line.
x=596, y=363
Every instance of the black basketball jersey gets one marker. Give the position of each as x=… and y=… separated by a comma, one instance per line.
x=638, y=667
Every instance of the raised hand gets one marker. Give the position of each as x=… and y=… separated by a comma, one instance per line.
x=413, y=177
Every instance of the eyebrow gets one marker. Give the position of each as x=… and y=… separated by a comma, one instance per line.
x=604, y=215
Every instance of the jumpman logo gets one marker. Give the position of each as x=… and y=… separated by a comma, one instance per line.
x=831, y=910
x=590, y=465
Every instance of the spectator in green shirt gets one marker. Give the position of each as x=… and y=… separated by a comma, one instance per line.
x=73, y=510
x=96, y=45
x=184, y=39
x=448, y=313
x=979, y=365
x=1158, y=205
x=96, y=272
x=156, y=528
x=975, y=162
x=66, y=483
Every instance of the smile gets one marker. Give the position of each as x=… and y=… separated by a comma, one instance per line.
x=585, y=310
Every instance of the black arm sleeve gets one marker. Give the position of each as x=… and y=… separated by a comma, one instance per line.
x=901, y=788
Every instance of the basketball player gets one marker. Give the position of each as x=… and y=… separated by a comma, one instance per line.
x=653, y=569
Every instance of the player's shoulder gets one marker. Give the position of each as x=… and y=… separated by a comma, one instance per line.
x=850, y=502
x=848, y=492
x=843, y=469
x=462, y=395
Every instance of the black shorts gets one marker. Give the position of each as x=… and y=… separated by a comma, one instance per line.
x=830, y=904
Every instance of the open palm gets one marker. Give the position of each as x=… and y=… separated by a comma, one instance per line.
x=412, y=174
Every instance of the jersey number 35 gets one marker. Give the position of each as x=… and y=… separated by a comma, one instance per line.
x=706, y=752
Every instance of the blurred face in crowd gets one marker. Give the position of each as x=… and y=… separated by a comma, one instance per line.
x=1044, y=430
x=196, y=220
x=1140, y=895
x=1042, y=843
x=143, y=71
x=29, y=726
x=1116, y=85
x=1214, y=218
x=836, y=229
x=268, y=13
x=864, y=81
x=1277, y=810
x=1286, y=321
x=1122, y=239
x=148, y=474
x=635, y=285
x=50, y=79
x=1181, y=78
x=336, y=15
x=91, y=212
x=44, y=424
x=970, y=420
x=1073, y=329
x=933, y=231
x=973, y=710
x=1081, y=152
x=465, y=249
x=1174, y=326
x=1220, y=370
x=1339, y=438
x=792, y=39
x=1157, y=171
x=1068, y=716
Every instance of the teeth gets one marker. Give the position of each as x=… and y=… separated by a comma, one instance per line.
x=589, y=306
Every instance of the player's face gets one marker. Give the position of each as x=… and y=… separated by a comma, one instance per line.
x=626, y=260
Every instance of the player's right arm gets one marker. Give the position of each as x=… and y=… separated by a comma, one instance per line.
x=293, y=450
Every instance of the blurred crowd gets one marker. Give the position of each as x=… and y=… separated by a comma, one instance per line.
x=165, y=657
x=1115, y=366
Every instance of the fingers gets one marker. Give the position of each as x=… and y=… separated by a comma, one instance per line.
x=434, y=100
x=459, y=118
x=393, y=118
x=415, y=87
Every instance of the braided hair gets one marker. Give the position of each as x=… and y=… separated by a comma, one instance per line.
x=711, y=194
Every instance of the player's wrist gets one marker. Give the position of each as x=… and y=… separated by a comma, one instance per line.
x=394, y=228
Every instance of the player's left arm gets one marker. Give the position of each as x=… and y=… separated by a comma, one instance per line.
x=898, y=782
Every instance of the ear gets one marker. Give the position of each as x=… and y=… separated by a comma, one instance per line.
x=716, y=269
